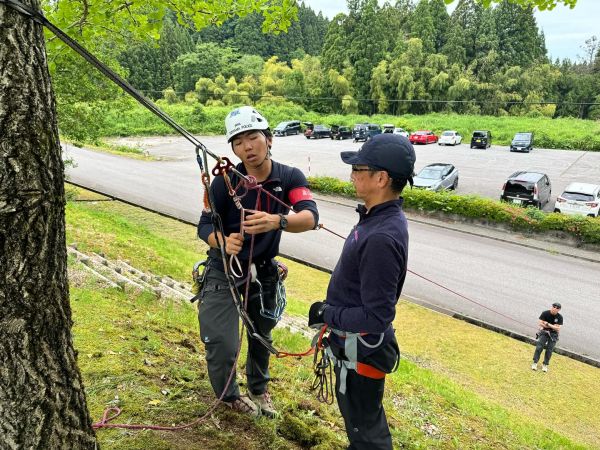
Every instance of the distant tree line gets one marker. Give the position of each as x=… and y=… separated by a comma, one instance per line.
x=409, y=57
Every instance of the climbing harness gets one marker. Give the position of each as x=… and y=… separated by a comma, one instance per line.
x=322, y=366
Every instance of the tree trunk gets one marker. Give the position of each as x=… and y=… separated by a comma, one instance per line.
x=42, y=401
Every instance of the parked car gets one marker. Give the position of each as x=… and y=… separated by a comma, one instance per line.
x=338, y=132
x=287, y=128
x=423, y=137
x=388, y=128
x=401, y=132
x=527, y=188
x=481, y=139
x=320, y=131
x=436, y=177
x=522, y=142
x=309, y=129
x=450, y=137
x=365, y=131
x=579, y=198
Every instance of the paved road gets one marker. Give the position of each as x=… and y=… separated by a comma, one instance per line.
x=482, y=172
x=516, y=281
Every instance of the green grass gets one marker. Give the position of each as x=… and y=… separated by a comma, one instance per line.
x=458, y=386
x=126, y=118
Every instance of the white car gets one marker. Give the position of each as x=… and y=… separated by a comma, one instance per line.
x=437, y=177
x=450, y=137
x=401, y=132
x=579, y=198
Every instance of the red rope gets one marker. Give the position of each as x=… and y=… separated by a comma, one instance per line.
x=469, y=299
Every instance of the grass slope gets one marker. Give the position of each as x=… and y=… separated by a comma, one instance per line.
x=458, y=386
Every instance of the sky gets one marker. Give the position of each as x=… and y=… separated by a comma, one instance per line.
x=566, y=29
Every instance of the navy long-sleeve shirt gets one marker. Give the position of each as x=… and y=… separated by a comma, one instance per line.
x=286, y=183
x=368, y=278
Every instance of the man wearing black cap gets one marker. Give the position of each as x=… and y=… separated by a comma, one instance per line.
x=364, y=289
x=547, y=336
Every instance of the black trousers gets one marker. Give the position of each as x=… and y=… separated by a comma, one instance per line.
x=362, y=409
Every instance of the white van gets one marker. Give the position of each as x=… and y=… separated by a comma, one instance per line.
x=579, y=198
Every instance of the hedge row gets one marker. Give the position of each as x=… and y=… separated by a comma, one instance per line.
x=585, y=229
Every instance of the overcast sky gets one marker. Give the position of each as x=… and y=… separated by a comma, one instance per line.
x=566, y=29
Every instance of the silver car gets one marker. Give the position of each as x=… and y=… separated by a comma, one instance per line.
x=436, y=177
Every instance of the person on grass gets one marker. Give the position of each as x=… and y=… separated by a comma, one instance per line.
x=550, y=322
x=251, y=140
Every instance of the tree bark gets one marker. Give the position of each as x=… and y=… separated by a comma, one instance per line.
x=42, y=400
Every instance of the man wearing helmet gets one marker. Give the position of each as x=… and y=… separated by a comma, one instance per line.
x=364, y=289
x=251, y=139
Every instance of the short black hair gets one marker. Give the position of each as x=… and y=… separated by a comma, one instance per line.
x=398, y=185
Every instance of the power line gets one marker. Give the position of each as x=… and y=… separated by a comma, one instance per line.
x=375, y=100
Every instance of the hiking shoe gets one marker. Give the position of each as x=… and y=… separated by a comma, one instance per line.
x=265, y=404
x=245, y=406
x=544, y=368
x=534, y=366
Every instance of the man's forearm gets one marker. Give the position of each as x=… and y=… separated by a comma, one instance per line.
x=301, y=221
x=212, y=241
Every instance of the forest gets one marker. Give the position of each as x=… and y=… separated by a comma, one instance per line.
x=403, y=58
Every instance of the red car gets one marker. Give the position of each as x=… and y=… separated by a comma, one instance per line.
x=423, y=137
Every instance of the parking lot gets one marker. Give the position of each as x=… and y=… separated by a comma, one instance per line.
x=482, y=172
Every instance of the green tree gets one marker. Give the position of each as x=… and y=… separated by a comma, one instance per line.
x=380, y=88
x=364, y=49
x=247, y=65
x=518, y=35
x=207, y=60
x=47, y=406
x=422, y=26
x=455, y=45
x=333, y=55
x=441, y=23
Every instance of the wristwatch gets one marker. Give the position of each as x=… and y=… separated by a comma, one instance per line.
x=282, y=222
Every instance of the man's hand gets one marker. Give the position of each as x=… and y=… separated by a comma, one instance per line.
x=234, y=243
x=261, y=222
x=315, y=315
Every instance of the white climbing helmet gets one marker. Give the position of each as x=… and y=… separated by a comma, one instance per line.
x=242, y=119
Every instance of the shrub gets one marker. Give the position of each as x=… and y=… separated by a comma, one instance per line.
x=585, y=229
x=170, y=96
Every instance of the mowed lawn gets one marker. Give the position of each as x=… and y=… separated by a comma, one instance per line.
x=458, y=386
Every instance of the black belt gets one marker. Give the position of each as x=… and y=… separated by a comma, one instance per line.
x=217, y=263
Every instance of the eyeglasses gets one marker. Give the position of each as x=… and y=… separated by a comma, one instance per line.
x=363, y=169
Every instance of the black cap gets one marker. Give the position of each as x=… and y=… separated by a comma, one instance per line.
x=390, y=152
x=556, y=305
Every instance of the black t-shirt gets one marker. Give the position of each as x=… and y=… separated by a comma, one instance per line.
x=547, y=316
x=286, y=183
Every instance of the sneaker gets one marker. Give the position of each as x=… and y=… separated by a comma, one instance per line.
x=265, y=404
x=544, y=368
x=534, y=366
x=245, y=406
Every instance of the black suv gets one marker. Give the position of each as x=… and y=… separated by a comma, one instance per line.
x=287, y=128
x=340, y=132
x=481, y=139
x=365, y=131
x=527, y=188
x=522, y=142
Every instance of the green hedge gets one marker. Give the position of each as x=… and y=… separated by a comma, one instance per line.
x=586, y=229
